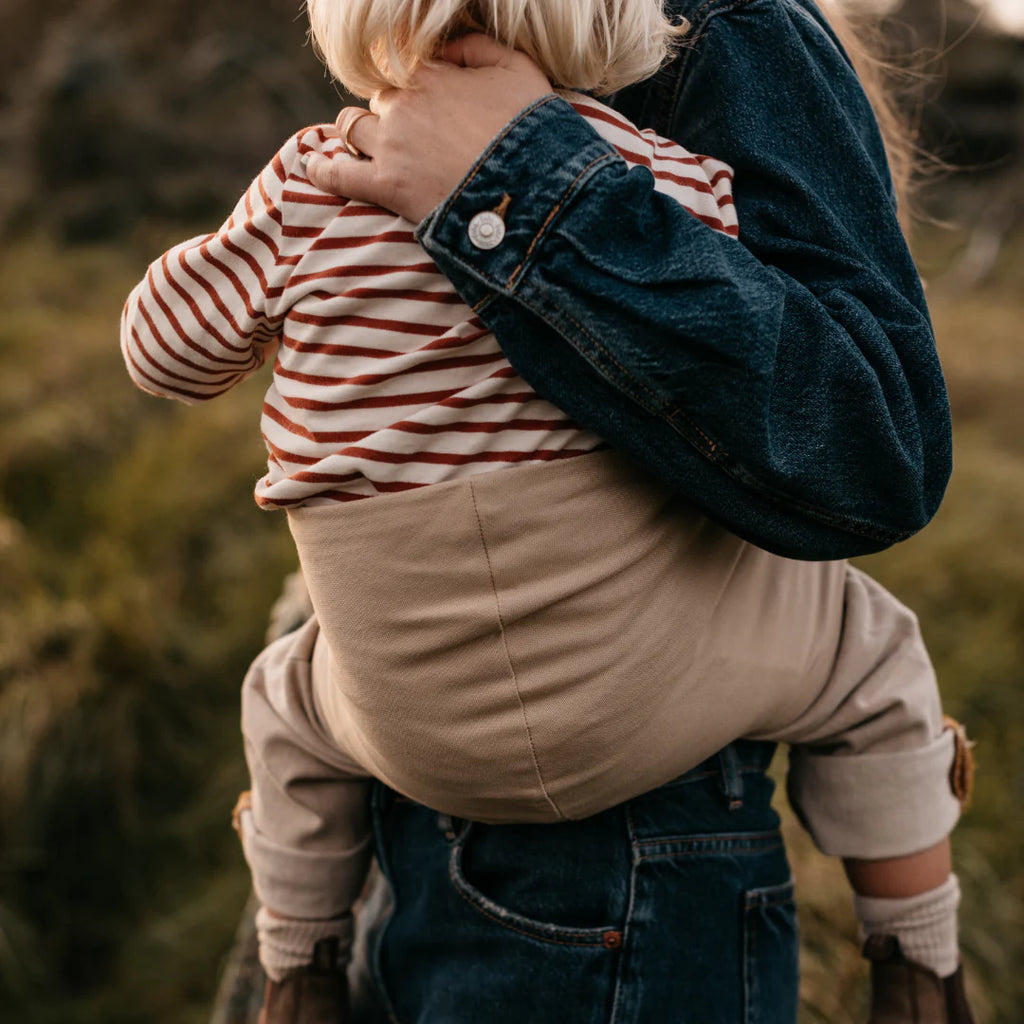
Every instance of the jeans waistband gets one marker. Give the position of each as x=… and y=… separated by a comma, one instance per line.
x=730, y=764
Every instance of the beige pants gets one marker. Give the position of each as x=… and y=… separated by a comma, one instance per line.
x=542, y=643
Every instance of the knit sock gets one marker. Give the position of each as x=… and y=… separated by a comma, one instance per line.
x=286, y=944
x=924, y=924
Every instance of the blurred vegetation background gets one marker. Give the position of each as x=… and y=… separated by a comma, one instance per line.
x=136, y=573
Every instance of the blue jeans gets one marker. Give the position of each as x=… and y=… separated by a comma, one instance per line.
x=675, y=907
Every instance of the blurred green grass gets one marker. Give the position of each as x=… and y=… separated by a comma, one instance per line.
x=135, y=578
x=964, y=576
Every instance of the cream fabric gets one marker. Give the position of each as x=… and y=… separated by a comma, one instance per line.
x=544, y=643
x=541, y=644
x=926, y=924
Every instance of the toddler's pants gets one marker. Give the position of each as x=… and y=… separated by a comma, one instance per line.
x=542, y=643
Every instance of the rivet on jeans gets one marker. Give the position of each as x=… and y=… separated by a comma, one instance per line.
x=612, y=940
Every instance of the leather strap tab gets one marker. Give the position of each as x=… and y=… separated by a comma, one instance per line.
x=961, y=774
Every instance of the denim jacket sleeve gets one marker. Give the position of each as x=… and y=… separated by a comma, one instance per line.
x=787, y=383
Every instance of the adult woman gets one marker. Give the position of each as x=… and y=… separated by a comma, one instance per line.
x=791, y=390
x=711, y=372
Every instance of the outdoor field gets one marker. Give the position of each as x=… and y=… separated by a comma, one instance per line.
x=136, y=572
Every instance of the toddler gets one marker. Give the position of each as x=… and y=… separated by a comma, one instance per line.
x=512, y=623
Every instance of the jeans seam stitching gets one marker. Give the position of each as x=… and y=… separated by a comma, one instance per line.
x=374, y=959
x=635, y=860
x=748, y=838
x=749, y=953
x=727, y=852
x=781, y=902
x=696, y=776
x=584, y=941
x=781, y=895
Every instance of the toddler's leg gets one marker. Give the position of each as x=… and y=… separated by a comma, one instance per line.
x=870, y=772
x=911, y=940
x=306, y=830
x=878, y=778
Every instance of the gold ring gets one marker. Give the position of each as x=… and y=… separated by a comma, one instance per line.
x=348, y=117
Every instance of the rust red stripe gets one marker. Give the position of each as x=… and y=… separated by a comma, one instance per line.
x=370, y=379
x=462, y=458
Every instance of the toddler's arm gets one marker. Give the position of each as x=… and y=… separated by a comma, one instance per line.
x=210, y=310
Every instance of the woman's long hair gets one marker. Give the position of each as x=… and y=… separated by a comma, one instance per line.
x=885, y=83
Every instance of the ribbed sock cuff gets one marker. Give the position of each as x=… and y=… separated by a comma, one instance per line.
x=924, y=924
x=286, y=944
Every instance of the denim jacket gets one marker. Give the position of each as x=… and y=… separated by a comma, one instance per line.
x=787, y=383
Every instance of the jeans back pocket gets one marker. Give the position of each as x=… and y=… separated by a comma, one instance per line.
x=770, y=964
x=541, y=898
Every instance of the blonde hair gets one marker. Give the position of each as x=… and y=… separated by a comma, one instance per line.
x=893, y=88
x=589, y=45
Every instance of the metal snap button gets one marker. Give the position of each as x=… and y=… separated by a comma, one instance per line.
x=486, y=230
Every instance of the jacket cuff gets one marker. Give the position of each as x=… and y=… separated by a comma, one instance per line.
x=872, y=806
x=528, y=176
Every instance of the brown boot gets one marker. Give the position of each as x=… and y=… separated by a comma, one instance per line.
x=903, y=992
x=318, y=994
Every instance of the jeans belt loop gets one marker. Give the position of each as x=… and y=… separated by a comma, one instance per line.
x=732, y=778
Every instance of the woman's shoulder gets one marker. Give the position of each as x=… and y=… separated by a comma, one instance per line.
x=696, y=12
x=747, y=70
x=755, y=41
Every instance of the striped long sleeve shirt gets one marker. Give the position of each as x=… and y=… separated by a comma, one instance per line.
x=383, y=379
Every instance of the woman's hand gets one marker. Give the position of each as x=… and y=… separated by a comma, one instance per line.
x=425, y=138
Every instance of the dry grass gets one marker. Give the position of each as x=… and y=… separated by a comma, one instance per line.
x=964, y=575
x=135, y=578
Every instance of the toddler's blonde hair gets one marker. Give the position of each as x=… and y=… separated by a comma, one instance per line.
x=588, y=45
